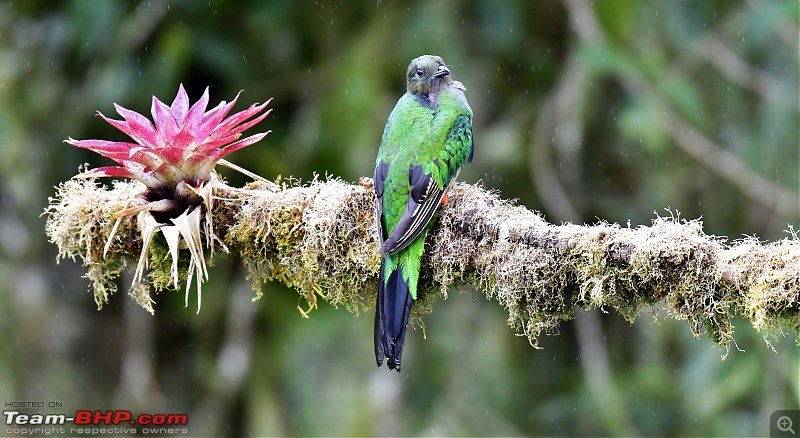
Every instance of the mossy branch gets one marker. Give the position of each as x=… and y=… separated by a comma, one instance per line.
x=320, y=238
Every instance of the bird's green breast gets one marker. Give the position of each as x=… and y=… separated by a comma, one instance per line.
x=437, y=138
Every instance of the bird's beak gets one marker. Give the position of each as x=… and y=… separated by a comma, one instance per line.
x=443, y=71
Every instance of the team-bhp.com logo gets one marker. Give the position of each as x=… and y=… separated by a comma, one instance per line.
x=94, y=422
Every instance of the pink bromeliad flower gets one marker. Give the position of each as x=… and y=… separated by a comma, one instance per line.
x=178, y=153
x=175, y=159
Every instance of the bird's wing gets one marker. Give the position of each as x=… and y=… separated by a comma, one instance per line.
x=428, y=185
x=423, y=199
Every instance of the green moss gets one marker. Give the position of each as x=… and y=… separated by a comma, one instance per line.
x=160, y=265
x=320, y=239
x=79, y=223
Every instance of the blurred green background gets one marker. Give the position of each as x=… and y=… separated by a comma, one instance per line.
x=608, y=110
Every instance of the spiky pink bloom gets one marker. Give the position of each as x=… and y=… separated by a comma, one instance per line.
x=175, y=160
x=183, y=146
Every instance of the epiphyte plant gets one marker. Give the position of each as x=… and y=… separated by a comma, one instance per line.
x=175, y=161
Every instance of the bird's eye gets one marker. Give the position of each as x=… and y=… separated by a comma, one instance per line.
x=420, y=72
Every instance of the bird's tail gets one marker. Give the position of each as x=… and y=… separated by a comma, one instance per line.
x=391, y=317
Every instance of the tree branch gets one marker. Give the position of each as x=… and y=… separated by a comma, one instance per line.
x=321, y=239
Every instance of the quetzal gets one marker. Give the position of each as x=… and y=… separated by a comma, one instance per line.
x=427, y=139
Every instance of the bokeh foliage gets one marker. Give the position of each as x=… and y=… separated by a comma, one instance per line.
x=583, y=111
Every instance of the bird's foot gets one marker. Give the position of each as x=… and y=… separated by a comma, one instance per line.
x=366, y=182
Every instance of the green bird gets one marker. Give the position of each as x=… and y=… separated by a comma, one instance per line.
x=427, y=139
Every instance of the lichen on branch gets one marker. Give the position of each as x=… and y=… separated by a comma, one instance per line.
x=320, y=238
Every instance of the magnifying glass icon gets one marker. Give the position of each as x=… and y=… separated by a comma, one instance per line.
x=785, y=425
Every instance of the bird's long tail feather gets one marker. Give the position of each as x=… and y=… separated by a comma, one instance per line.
x=391, y=317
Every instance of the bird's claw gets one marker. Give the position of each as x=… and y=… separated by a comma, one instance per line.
x=366, y=182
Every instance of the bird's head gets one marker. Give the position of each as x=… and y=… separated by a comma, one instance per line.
x=427, y=74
